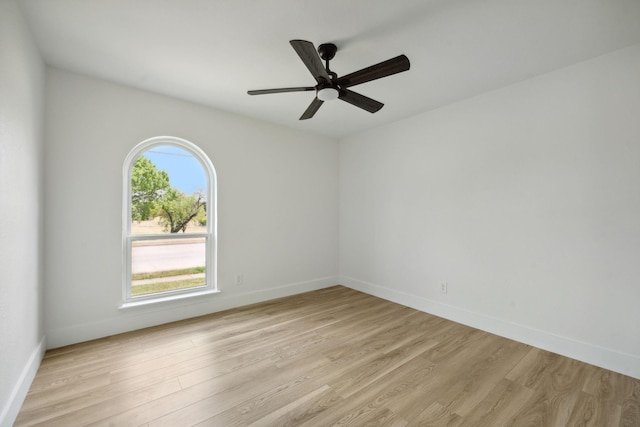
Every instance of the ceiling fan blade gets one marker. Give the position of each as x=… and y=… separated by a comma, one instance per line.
x=364, y=102
x=307, y=52
x=383, y=69
x=281, y=90
x=311, y=109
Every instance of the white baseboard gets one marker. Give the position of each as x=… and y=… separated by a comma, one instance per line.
x=157, y=314
x=626, y=364
x=19, y=393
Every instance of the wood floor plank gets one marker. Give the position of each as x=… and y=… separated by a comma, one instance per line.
x=229, y=365
x=66, y=391
x=89, y=408
x=499, y=405
x=437, y=414
x=306, y=408
x=396, y=386
x=448, y=371
x=557, y=389
x=167, y=405
x=482, y=377
x=631, y=404
x=355, y=380
x=329, y=357
x=589, y=412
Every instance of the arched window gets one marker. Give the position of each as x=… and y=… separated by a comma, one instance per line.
x=169, y=222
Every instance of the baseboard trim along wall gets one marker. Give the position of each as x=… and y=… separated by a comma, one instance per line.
x=153, y=315
x=623, y=363
x=12, y=407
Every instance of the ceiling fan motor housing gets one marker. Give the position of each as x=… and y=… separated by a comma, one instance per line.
x=327, y=51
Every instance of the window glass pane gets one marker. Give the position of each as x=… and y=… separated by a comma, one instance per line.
x=168, y=192
x=167, y=264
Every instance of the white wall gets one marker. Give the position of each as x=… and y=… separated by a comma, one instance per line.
x=526, y=201
x=21, y=93
x=277, y=204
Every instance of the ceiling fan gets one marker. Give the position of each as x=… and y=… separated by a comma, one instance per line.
x=330, y=86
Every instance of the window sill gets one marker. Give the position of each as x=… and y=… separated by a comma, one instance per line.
x=149, y=302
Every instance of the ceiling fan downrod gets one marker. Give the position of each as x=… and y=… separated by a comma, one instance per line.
x=330, y=91
x=327, y=52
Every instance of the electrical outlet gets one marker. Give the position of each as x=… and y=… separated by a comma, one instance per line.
x=443, y=287
x=239, y=279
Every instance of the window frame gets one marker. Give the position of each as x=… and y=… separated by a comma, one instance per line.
x=210, y=236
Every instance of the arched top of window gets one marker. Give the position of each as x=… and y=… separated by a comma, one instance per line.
x=169, y=221
x=152, y=145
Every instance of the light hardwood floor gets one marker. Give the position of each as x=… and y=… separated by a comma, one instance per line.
x=329, y=357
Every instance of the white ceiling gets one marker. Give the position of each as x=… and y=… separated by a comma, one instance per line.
x=212, y=51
